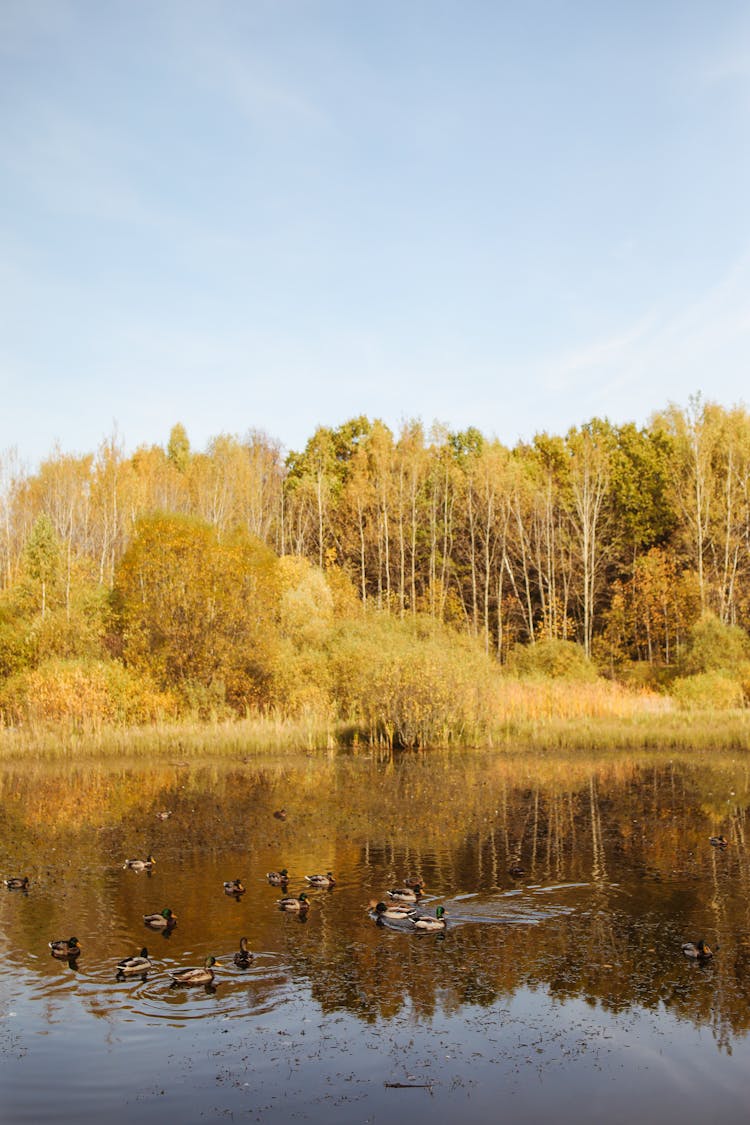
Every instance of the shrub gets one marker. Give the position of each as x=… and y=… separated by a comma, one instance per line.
x=85, y=693
x=713, y=646
x=409, y=684
x=707, y=691
x=558, y=659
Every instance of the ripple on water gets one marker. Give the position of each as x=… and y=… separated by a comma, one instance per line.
x=258, y=990
x=523, y=906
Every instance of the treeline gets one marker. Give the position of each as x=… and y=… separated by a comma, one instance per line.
x=198, y=568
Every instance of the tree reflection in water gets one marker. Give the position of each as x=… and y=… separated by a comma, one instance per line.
x=580, y=876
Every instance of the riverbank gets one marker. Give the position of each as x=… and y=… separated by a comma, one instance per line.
x=191, y=740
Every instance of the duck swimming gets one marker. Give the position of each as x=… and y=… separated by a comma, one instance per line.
x=243, y=957
x=278, y=878
x=698, y=950
x=393, y=911
x=139, y=864
x=411, y=892
x=321, y=880
x=234, y=887
x=134, y=966
x=165, y=920
x=294, y=905
x=204, y=975
x=425, y=923
x=65, y=950
x=718, y=841
x=17, y=884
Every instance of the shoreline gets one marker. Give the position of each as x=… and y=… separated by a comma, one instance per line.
x=192, y=740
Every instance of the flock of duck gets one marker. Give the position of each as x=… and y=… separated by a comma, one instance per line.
x=402, y=908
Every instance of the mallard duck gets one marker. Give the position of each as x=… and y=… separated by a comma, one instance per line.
x=16, y=883
x=234, y=887
x=697, y=949
x=516, y=871
x=426, y=922
x=243, y=957
x=395, y=911
x=134, y=966
x=164, y=814
x=204, y=975
x=299, y=905
x=65, y=950
x=718, y=841
x=278, y=878
x=280, y=814
x=165, y=920
x=139, y=864
x=410, y=893
x=321, y=880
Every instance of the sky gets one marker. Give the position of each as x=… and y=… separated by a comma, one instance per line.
x=279, y=214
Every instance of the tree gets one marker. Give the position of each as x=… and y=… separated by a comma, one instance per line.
x=178, y=447
x=42, y=556
x=198, y=612
x=590, y=450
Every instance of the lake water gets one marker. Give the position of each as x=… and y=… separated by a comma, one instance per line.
x=560, y=989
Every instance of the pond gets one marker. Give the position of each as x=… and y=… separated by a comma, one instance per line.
x=558, y=986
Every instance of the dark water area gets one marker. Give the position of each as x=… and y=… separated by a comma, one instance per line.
x=559, y=986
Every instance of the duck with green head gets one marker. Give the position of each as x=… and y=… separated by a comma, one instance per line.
x=65, y=950
x=278, y=878
x=165, y=920
x=294, y=905
x=427, y=924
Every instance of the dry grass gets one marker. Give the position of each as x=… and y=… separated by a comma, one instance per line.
x=541, y=700
x=179, y=740
x=518, y=714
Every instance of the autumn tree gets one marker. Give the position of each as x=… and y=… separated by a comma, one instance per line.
x=178, y=447
x=590, y=467
x=197, y=612
x=42, y=558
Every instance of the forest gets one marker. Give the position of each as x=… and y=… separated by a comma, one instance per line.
x=394, y=582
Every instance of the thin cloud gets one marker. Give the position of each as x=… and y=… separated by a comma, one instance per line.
x=72, y=166
x=211, y=58
x=572, y=368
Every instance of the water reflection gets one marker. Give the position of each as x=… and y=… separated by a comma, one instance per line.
x=582, y=877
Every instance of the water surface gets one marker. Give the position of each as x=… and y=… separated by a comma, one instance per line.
x=559, y=986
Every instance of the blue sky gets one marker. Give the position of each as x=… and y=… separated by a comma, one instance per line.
x=275, y=214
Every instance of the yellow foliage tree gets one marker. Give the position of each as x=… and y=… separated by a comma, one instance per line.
x=198, y=613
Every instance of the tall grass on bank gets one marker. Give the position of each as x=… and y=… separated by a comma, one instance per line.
x=180, y=740
x=671, y=731
x=542, y=717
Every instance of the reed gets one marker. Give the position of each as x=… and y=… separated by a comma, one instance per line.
x=578, y=725
x=670, y=731
x=185, y=740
